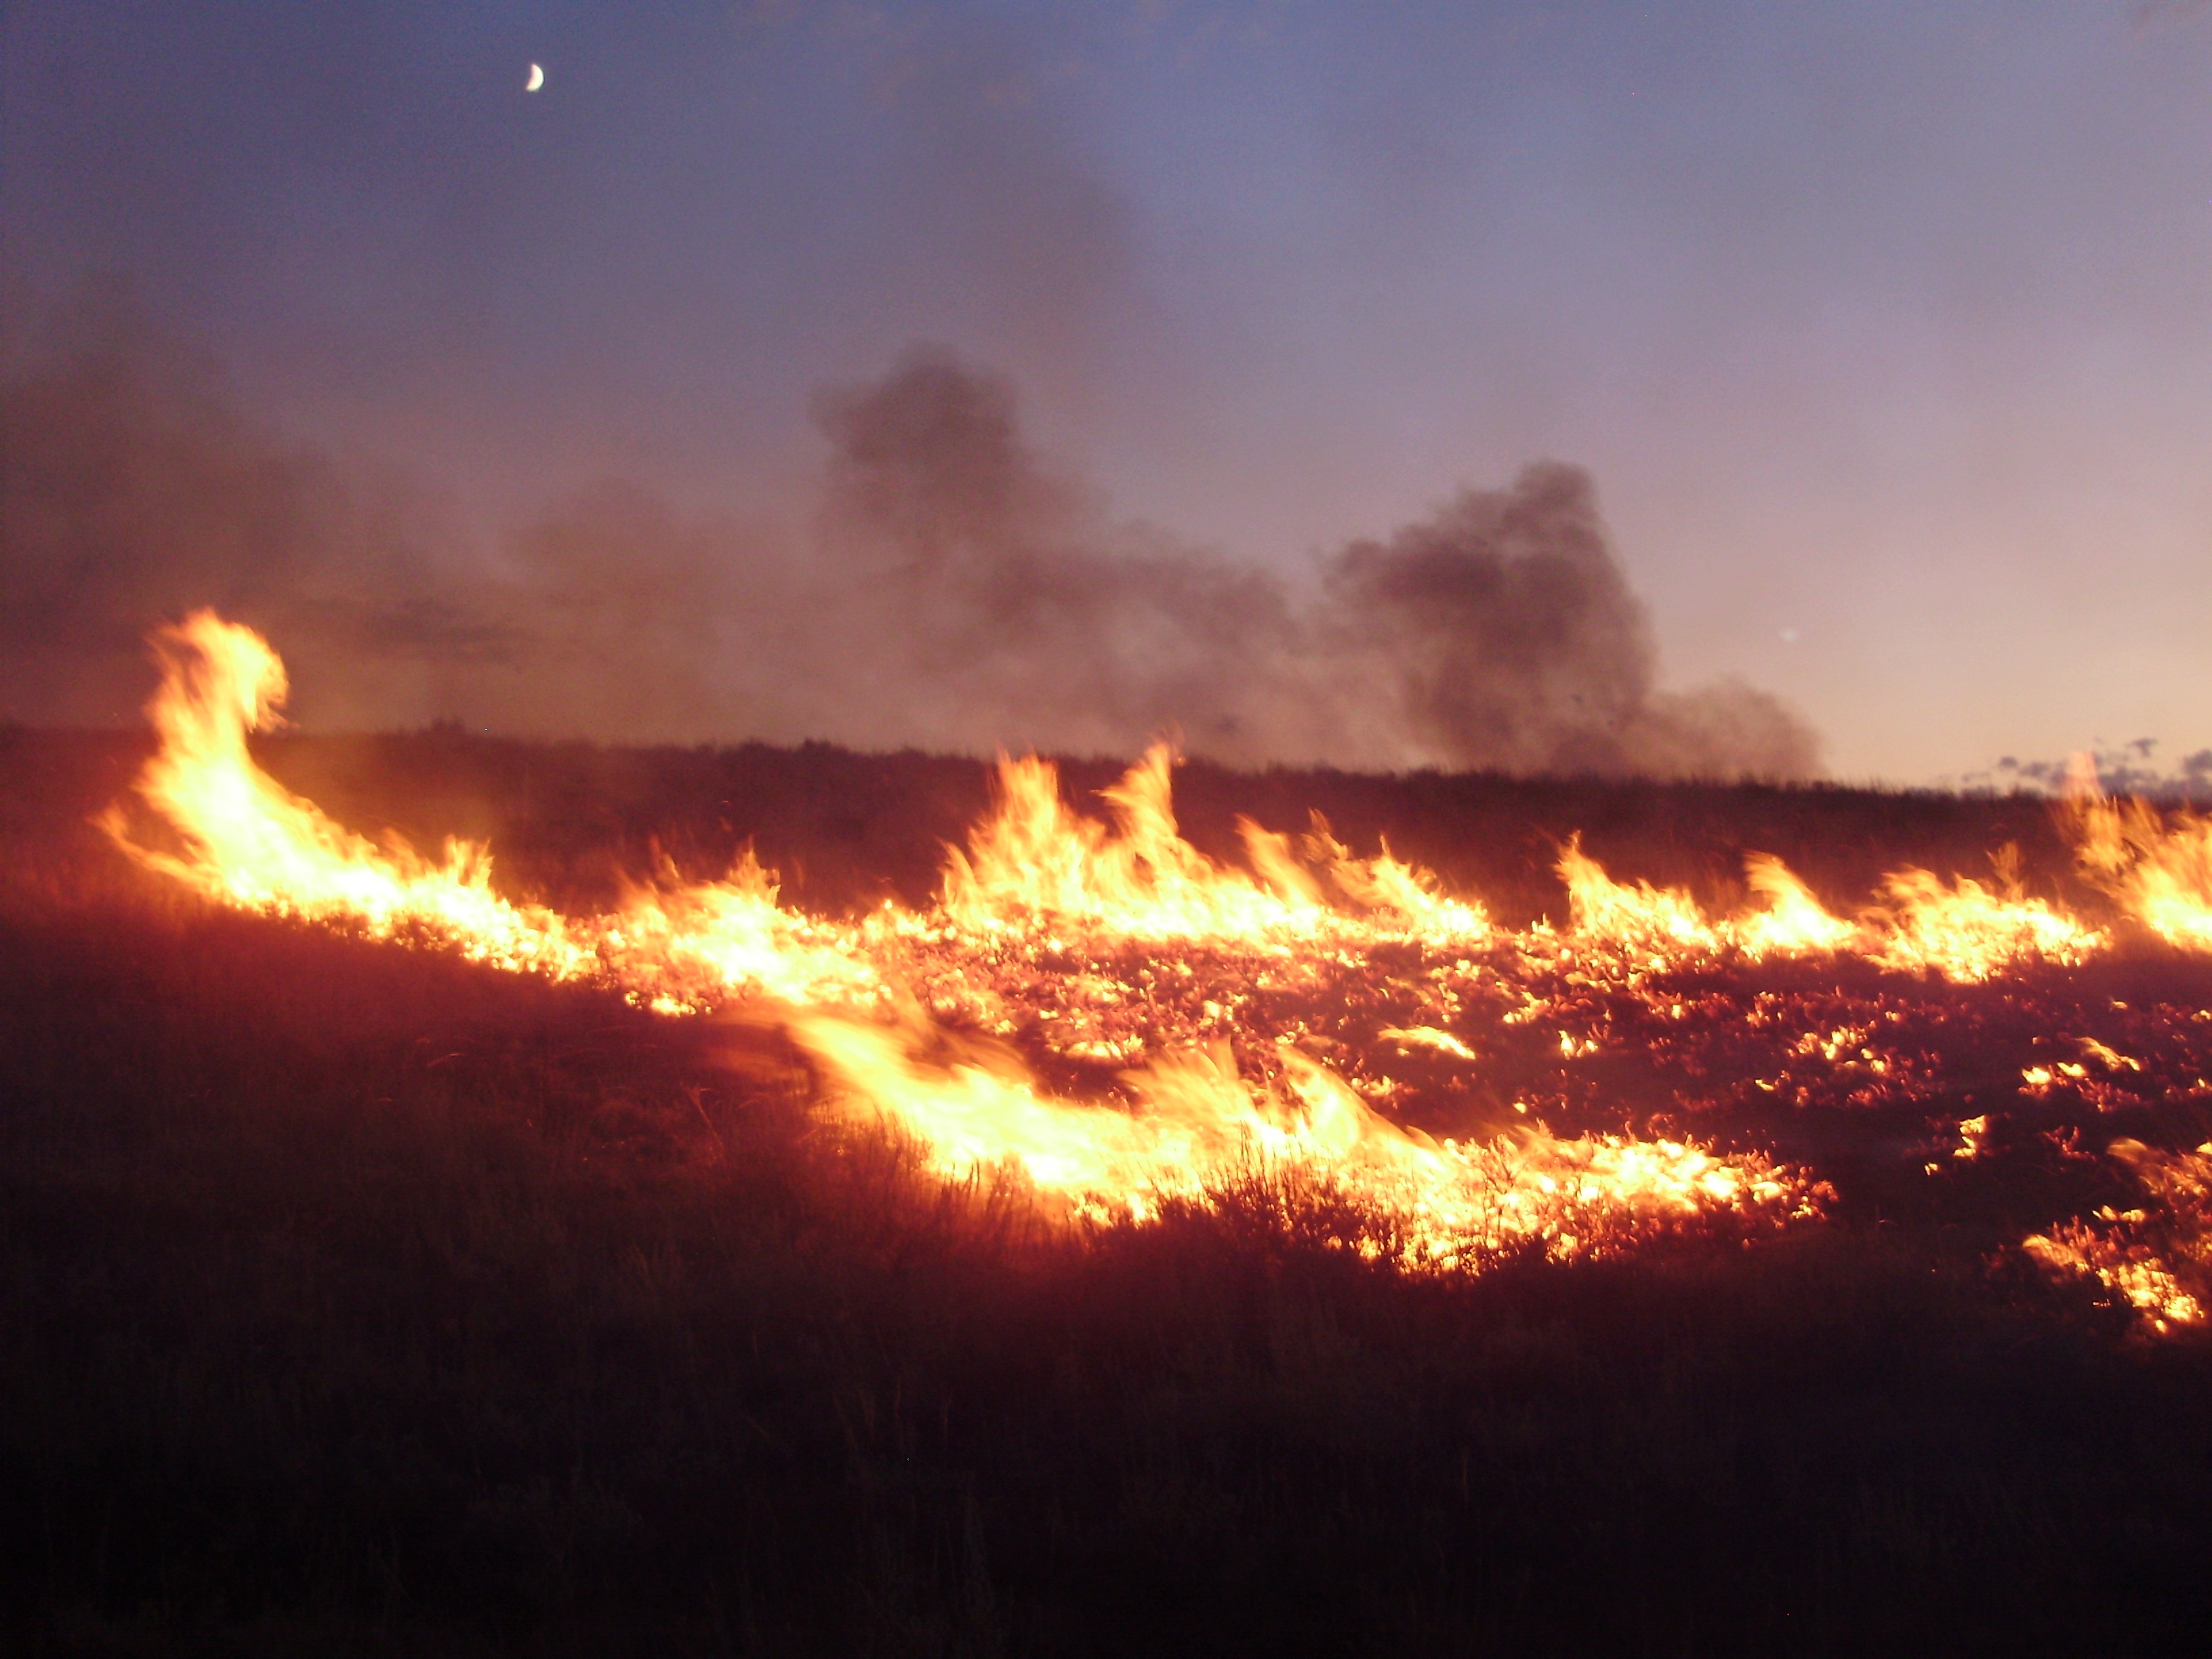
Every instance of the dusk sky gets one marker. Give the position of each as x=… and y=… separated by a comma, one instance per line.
x=1884, y=330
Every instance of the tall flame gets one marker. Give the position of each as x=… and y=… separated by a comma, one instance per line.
x=1035, y=862
x=246, y=840
x=2159, y=867
x=1663, y=921
x=1793, y=923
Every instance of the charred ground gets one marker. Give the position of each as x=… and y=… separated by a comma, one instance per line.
x=360, y=1300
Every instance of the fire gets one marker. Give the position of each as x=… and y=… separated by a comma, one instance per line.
x=1122, y=1024
x=2157, y=1260
x=1661, y=922
x=247, y=840
x=1964, y=931
x=1666, y=926
x=1793, y=922
x=1197, y=1126
x=1969, y=932
x=1036, y=863
x=2158, y=867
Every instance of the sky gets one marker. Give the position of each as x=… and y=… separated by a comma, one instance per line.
x=1883, y=333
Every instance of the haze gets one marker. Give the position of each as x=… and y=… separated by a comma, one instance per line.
x=1884, y=332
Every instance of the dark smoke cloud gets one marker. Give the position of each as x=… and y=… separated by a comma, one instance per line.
x=1499, y=633
x=1516, y=643
x=997, y=603
x=953, y=590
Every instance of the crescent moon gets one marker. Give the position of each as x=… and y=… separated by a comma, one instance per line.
x=536, y=79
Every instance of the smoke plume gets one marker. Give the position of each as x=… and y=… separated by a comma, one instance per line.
x=953, y=590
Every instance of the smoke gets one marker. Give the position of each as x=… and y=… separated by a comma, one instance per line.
x=132, y=488
x=995, y=602
x=952, y=590
x=1500, y=633
x=1513, y=641
x=1004, y=605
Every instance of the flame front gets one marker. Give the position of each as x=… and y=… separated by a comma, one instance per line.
x=1036, y=864
x=1196, y=1122
x=1963, y=930
x=2160, y=868
x=247, y=840
x=1162, y=989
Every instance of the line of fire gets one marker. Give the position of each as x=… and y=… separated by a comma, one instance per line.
x=1102, y=1015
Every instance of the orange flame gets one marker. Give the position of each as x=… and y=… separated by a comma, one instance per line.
x=249, y=842
x=1793, y=922
x=991, y=952
x=1666, y=926
x=1034, y=861
x=1198, y=1125
x=2158, y=867
x=1969, y=932
x=1663, y=921
x=2158, y=1261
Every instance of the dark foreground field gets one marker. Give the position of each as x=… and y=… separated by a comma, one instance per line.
x=355, y=1301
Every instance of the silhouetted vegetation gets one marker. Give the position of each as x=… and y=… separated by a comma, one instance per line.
x=568, y=822
x=355, y=1300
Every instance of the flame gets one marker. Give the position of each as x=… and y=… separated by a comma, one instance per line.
x=247, y=840
x=2158, y=867
x=1119, y=944
x=2158, y=1260
x=1034, y=862
x=1662, y=921
x=1969, y=932
x=1793, y=923
x=684, y=947
x=1197, y=1127
x=1964, y=931
x=1384, y=886
x=1666, y=926
x=1033, y=870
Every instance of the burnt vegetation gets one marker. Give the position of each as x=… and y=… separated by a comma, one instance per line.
x=356, y=1300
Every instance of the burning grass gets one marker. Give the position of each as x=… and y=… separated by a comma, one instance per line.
x=1152, y=1234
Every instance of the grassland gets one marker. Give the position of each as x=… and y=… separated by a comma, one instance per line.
x=355, y=1301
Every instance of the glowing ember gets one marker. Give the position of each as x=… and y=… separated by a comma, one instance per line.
x=2158, y=1260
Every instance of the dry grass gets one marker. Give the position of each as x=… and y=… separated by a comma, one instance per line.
x=356, y=1301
